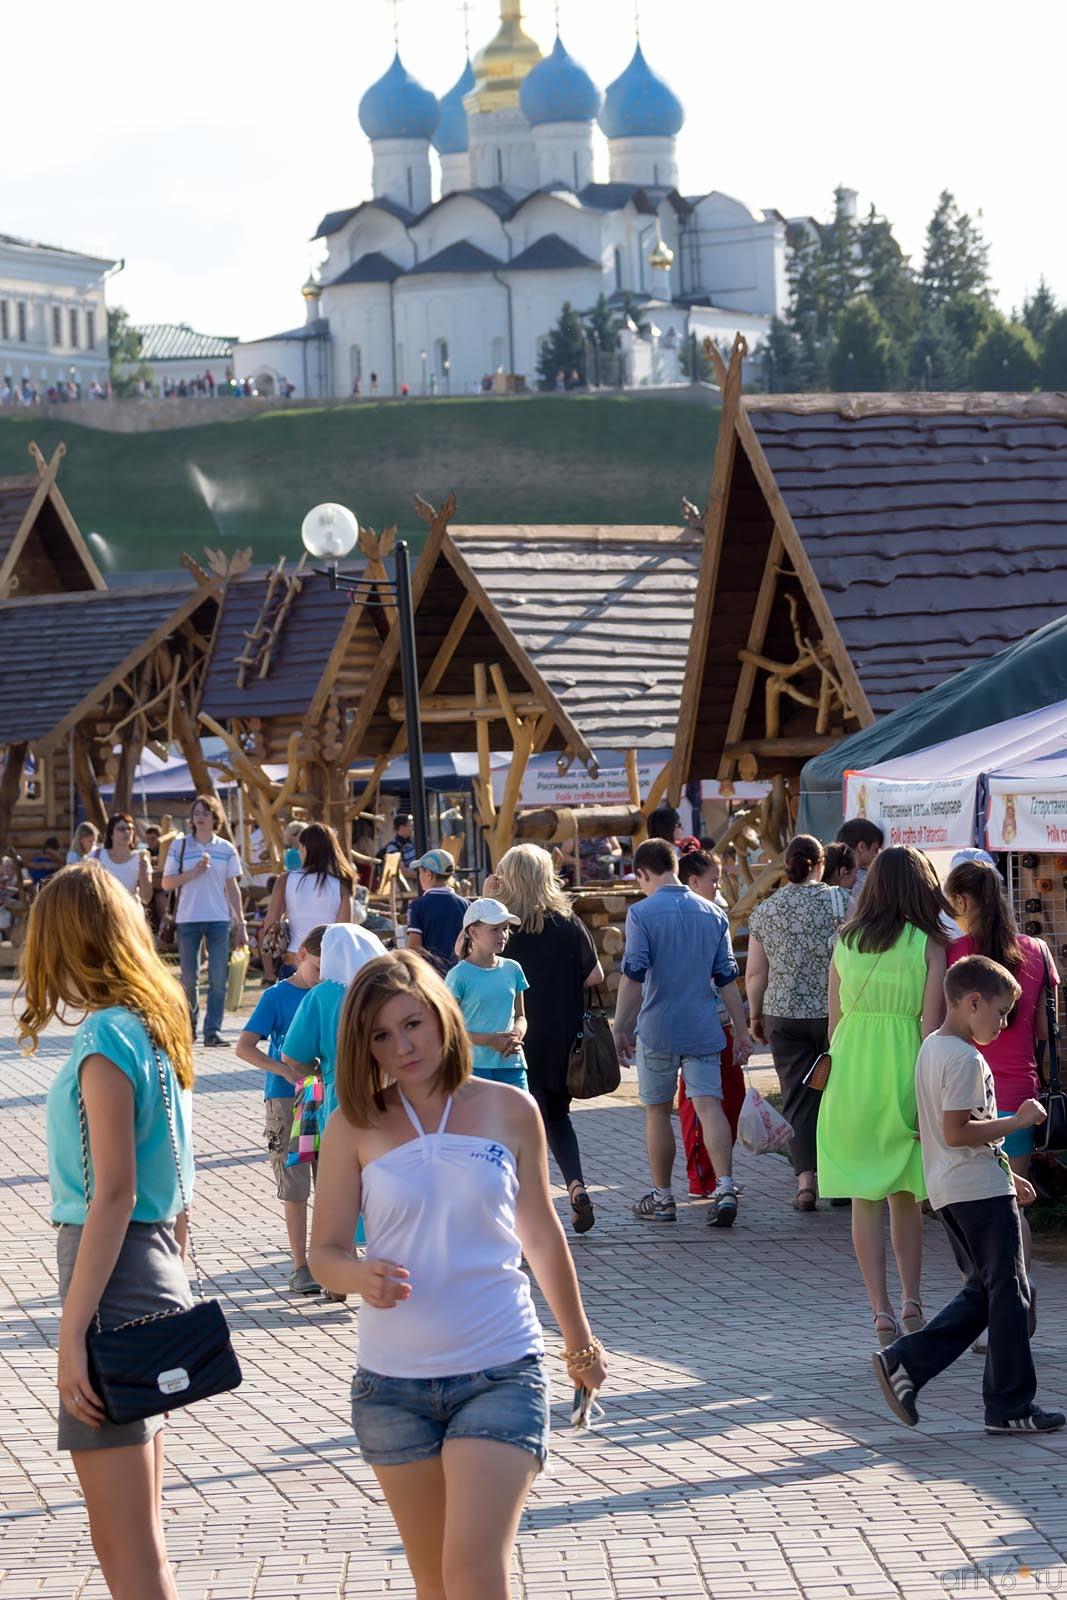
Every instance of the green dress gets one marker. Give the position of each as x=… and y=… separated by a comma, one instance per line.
x=868, y=1122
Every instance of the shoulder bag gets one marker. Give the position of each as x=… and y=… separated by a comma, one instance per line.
x=818, y=1074
x=593, y=1065
x=1050, y=1136
x=169, y=919
x=171, y=1358
x=274, y=941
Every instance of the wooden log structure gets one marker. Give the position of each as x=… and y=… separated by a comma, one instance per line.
x=10, y=786
x=553, y=824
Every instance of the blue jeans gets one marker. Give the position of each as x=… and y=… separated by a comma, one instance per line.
x=216, y=935
x=400, y=1420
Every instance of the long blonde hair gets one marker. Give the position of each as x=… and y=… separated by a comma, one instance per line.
x=530, y=886
x=360, y=1084
x=88, y=947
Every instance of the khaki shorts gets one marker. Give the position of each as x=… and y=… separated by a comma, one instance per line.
x=294, y=1183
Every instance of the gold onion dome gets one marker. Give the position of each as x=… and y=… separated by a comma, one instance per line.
x=312, y=289
x=500, y=68
x=662, y=257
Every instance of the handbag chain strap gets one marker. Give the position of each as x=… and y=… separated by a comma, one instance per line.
x=1054, y=1084
x=84, y=1129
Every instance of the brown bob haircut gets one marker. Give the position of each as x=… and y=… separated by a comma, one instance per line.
x=360, y=1084
x=214, y=805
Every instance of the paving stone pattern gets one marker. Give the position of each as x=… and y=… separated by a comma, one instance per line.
x=745, y=1450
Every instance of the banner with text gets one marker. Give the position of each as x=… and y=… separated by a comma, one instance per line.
x=938, y=815
x=1024, y=814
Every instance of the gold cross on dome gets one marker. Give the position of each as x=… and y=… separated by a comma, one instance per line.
x=637, y=18
x=466, y=9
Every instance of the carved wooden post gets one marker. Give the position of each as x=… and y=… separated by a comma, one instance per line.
x=85, y=780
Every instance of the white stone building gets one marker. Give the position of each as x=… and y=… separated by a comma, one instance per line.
x=53, y=316
x=442, y=278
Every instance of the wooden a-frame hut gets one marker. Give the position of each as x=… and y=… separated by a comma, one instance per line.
x=571, y=639
x=858, y=550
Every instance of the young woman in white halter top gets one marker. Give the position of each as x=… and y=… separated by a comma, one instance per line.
x=450, y=1399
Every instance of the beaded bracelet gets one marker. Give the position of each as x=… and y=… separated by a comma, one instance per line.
x=581, y=1360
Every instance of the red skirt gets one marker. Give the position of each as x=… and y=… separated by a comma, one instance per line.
x=698, y=1165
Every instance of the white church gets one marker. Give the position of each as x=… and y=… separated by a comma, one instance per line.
x=450, y=277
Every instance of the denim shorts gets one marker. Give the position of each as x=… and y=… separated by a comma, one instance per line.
x=657, y=1075
x=400, y=1420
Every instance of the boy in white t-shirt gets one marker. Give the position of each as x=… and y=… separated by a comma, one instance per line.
x=977, y=1196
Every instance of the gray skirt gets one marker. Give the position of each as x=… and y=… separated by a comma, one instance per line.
x=149, y=1276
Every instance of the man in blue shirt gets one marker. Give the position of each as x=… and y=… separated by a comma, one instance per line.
x=677, y=947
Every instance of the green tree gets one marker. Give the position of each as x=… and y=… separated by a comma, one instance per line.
x=1039, y=312
x=839, y=263
x=862, y=357
x=603, y=324
x=1006, y=358
x=970, y=319
x=890, y=283
x=563, y=351
x=693, y=362
x=127, y=369
x=807, y=321
x=782, y=360
x=936, y=360
x=956, y=260
x=1054, y=358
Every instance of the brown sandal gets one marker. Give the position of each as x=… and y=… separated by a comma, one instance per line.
x=804, y=1200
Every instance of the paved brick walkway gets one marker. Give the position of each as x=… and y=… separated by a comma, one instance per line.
x=744, y=1451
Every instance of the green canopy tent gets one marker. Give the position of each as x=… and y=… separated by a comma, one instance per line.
x=1025, y=677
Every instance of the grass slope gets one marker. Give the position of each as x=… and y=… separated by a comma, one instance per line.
x=537, y=459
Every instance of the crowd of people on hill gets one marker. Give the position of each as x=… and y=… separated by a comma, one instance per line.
x=422, y=1090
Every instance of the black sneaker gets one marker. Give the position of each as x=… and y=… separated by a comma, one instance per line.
x=215, y=1041
x=1035, y=1421
x=722, y=1213
x=897, y=1386
x=651, y=1209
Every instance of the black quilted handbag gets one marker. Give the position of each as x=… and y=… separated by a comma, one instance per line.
x=172, y=1358
x=593, y=1067
x=1050, y=1136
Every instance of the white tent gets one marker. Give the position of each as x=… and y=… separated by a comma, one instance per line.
x=1004, y=786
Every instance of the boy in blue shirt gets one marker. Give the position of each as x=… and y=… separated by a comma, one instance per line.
x=435, y=918
x=270, y=1021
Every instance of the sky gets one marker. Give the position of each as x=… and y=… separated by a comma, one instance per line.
x=202, y=143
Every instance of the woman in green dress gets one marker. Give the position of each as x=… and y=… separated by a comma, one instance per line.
x=885, y=997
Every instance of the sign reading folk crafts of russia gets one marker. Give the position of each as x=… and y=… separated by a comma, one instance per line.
x=938, y=815
x=1025, y=815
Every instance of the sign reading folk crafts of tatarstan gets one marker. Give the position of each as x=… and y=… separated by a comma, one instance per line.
x=1025, y=815
x=936, y=815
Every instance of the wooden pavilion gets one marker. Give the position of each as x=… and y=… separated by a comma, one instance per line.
x=858, y=550
x=41, y=546
x=570, y=639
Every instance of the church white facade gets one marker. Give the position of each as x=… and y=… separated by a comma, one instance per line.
x=447, y=278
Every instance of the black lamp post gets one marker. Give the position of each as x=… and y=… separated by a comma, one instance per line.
x=331, y=531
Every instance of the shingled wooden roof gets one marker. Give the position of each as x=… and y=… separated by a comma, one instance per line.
x=919, y=533
x=59, y=654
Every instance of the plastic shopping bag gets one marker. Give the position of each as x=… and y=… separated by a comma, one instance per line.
x=760, y=1127
x=304, y=1138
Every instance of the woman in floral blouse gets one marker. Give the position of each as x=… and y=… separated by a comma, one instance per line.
x=791, y=938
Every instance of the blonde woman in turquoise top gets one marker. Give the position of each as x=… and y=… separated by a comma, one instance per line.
x=885, y=996
x=89, y=953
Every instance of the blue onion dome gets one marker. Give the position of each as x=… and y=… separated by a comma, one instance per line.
x=451, y=138
x=558, y=90
x=396, y=107
x=640, y=105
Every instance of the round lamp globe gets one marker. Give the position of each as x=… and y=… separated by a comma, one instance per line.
x=329, y=531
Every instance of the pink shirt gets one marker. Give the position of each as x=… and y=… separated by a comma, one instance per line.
x=1011, y=1057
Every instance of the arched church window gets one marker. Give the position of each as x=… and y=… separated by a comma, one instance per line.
x=618, y=268
x=440, y=357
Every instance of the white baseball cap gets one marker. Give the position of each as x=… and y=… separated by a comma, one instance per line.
x=494, y=912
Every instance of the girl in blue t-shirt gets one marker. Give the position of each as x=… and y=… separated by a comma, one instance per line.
x=270, y=1021
x=489, y=990
x=89, y=950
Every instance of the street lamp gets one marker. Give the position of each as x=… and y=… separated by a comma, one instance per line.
x=330, y=532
